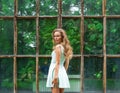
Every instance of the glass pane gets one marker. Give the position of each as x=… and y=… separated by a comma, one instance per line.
x=74, y=76
x=72, y=28
x=6, y=37
x=26, y=74
x=43, y=71
x=93, y=7
x=26, y=7
x=6, y=75
x=113, y=75
x=48, y=7
x=6, y=7
x=46, y=28
x=74, y=84
x=74, y=66
x=71, y=7
x=26, y=37
x=113, y=36
x=93, y=36
x=114, y=6
x=93, y=71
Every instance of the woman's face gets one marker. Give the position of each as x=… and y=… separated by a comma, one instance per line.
x=57, y=37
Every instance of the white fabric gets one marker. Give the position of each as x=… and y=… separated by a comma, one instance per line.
x=62, y=75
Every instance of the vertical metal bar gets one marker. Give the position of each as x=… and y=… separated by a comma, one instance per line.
x=82, y=47
x=15, y=74
x=37, y=74
x=59, y=24
x=105, y=59
x=15, y=47
x=104, y=45
x=37, y=46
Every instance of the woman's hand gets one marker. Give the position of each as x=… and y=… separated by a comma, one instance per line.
x=55, y=82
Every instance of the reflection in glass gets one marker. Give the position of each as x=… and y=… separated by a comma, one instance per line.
x=26, y=37
x=6, y=75
x=6, y=7
x=113, y=75
x=26, y=74
x=72, y=28
x=93, y=7
x=6, y=37
x=43, y=71
x=26, y=7
x=113, y=36
x=93, y=36
x=48, y=7
x=74, y=66
x=46, y=28
x=113, y=8
x=71, y=7
x=93, y=71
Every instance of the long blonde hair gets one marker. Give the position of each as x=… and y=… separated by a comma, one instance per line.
x=65, y=42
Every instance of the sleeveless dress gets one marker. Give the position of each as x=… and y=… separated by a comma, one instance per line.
x=62, y=75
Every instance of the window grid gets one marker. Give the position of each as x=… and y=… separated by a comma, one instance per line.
x=60, y=17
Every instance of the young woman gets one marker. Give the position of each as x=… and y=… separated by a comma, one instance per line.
x=62, y=52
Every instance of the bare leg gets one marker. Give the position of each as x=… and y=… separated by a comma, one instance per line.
x=55, y=90
x=61, y=90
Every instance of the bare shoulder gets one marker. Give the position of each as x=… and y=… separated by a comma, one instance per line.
x=59, y=47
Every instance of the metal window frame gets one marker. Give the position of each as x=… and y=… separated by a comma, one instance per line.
x=59, y=25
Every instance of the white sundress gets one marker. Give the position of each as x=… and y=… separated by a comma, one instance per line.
x=62, y=75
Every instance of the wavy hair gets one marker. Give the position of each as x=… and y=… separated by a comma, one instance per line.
x=65, y=42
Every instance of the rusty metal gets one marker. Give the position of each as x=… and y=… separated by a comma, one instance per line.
x=59, y=18
x=104, y=55
x=82, y=49
x=59, y=24
x=6, y=17
x=37, y=46
x=63, y=16
x=15, y=47
x=104, y=45
x=49, y=56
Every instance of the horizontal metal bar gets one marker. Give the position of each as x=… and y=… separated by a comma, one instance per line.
x=48, y=56
x=63, y=16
